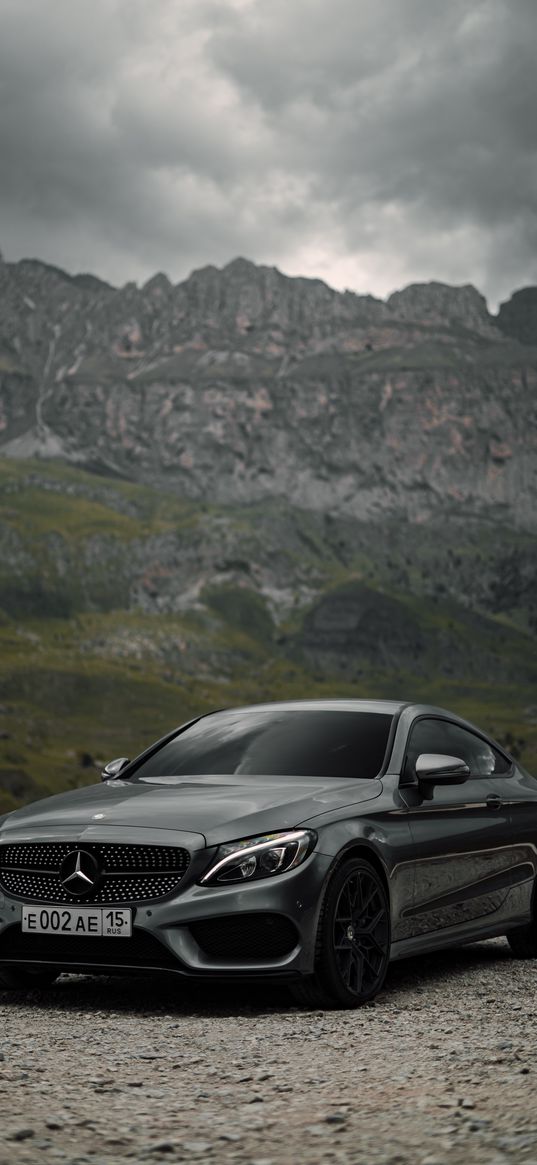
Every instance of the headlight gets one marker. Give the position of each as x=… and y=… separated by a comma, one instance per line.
x=260, y=857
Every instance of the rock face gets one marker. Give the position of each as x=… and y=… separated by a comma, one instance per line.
x=438, y=305
x=241, y=384
x=518, y=317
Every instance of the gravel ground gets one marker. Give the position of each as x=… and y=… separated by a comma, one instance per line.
x=440, y=1069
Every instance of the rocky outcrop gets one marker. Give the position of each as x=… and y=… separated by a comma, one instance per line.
x=241, y=385
x=518, y=317
x=439, y=305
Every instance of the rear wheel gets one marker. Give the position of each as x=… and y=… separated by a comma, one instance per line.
x=523, y=941
x=25, y=978
x=353, y=940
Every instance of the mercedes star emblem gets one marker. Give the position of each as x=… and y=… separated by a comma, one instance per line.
x=79, y=872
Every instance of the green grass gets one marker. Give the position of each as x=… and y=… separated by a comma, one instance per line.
x=34, y=512
x=40, y=498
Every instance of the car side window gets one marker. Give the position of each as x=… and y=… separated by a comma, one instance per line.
x=442, y=736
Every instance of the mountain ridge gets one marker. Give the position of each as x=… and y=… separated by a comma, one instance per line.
x=243, y=383
x=92, y=282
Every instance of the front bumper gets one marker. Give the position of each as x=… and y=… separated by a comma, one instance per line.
x=260, y=930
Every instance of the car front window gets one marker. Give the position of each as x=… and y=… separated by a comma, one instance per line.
x=442, y=736
x=320, y=743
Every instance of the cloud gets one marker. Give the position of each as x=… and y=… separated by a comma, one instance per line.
x=372, y=144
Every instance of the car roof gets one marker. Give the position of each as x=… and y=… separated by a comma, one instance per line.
x=336, y=704
x=348, y=704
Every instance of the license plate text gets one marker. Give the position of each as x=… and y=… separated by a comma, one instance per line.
x=86, y=921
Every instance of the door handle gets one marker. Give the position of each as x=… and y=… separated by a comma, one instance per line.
x=494, y=801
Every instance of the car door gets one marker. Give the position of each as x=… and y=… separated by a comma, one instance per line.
x=461, y=834
x=517, y=791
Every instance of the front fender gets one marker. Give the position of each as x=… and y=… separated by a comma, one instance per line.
x=379, y=829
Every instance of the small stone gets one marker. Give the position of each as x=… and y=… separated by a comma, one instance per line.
x=336, y=1118
x=197, y=1146
x=20, y=1135
x=53, y=1122
x=517, y=1141
x=466, y=1103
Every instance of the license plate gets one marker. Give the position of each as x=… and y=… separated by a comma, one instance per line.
x=87, y=921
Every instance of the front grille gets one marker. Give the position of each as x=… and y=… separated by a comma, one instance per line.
x=245, y=937
x=128, y=873
x=141, y=950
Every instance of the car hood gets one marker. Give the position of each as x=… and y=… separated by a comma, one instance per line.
x=216, y=808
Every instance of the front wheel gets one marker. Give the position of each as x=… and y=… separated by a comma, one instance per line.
x=353, y=940
x=25, y=978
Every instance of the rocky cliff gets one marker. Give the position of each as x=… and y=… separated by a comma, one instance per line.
x=241, y=384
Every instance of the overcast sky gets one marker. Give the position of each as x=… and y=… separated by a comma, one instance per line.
x=369, y=142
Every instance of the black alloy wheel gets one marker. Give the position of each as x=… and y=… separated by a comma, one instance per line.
x=353, y=941
x=523, y=939
x=25, y=978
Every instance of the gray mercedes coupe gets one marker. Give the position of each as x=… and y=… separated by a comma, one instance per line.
x=306, y=842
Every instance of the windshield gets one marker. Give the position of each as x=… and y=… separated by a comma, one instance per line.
x=320, y=743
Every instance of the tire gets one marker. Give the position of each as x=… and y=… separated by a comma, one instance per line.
x=25, y=979
x=353, y=940
x=523, y=941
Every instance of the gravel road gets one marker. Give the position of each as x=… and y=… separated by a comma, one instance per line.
x=442, y=1068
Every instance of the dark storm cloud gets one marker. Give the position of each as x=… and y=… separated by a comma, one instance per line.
x=369, y=142
x=112, y=147
x=415, y=119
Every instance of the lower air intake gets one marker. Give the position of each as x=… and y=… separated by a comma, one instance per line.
x=252, y=938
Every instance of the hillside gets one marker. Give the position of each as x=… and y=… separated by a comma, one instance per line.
x=124, y=610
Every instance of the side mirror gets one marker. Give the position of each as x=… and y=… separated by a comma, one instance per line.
x=433, y=768
x=114, y=767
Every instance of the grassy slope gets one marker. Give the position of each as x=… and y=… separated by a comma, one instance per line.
x=105, y=682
